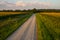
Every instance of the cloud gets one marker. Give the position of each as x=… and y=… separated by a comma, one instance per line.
x=23, y=5
x=6, y=5
x=20, y=3
x=33, y=4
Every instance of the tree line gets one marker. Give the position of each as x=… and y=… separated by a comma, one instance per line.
x=32, y=10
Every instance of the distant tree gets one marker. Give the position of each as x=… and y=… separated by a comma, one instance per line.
x=34, y=10
x=17, y=10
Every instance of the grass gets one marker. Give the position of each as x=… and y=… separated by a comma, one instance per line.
x=10, y=23
x=48, y=27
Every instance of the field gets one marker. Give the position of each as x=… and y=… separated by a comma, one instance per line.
x=56, y=14
x=11, y=22
x=10, y=13
x=48, y=26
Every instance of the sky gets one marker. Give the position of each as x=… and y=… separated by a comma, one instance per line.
x=29, y=4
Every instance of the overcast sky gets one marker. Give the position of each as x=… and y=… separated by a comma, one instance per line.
x=29, y=4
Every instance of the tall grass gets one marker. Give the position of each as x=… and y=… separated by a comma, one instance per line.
x=10, y=23
x=49, y=27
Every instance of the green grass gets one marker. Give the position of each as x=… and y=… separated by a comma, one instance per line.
x=48, y=27
x=10, y=23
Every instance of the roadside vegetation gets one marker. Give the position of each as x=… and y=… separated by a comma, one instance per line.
x=10, y=23
x=48, y=26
